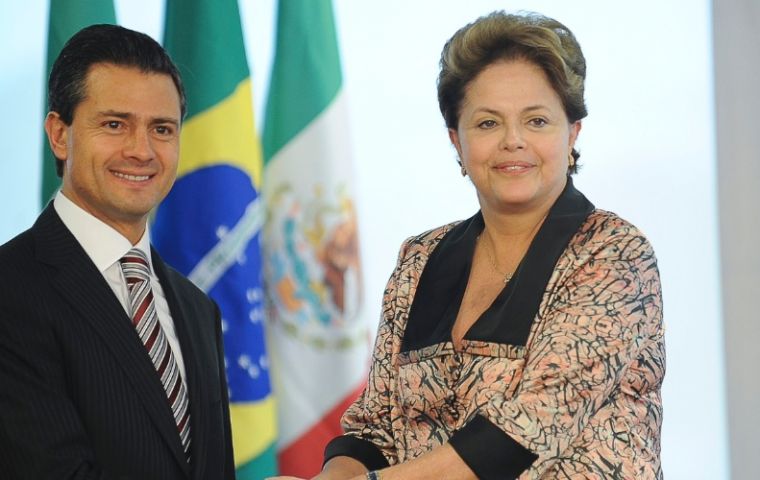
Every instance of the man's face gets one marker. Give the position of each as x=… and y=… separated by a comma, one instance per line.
x=121, y=150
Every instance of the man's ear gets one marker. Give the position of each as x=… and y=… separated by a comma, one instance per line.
x=57, y=133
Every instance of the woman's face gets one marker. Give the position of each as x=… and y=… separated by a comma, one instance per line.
x=514, y=138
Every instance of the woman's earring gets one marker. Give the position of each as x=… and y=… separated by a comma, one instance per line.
x=464, y=171
x=570, y=160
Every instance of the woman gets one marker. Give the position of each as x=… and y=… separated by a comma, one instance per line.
x=526, y=341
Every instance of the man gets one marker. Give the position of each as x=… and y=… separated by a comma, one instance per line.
x=111, y=362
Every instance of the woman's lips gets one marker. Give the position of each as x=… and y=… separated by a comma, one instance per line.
x=513, y=167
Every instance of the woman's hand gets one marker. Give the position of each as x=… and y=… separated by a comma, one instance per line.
x=337, y=468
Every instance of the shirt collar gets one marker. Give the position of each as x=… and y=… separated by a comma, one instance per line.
x=102, y=243
x=509, y=318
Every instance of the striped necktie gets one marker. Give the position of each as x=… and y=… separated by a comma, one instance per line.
x=142, y=308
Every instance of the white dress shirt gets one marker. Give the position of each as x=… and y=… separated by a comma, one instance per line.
x=105, y=246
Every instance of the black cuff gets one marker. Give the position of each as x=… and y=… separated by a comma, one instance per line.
x=358, y=449
x=489, y=452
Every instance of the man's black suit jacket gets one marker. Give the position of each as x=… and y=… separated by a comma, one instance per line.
x=79, y=396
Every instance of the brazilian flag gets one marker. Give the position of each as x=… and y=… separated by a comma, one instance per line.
x=208, y=226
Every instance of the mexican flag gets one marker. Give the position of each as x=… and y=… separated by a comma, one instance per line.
x=318, y=344
x=66, y=18
x=208, y=227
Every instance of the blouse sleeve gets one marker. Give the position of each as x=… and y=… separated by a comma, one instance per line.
x=366, y=423
x=604, y=313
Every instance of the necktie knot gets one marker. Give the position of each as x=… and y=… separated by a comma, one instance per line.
x=134, y=264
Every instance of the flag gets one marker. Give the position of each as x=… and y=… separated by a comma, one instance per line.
x=66, y=18
x=318, y=342
x=208, y=226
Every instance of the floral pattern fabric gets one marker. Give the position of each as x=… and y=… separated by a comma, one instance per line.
x=583, y=393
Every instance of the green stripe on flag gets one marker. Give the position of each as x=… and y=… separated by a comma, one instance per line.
x=190, y=26
x=66, y=18
x=266, y=462
x=306, y=68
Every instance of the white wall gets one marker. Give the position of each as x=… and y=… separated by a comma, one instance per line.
x=648, y=150
x=736, y=80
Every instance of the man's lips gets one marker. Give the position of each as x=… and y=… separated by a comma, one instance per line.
x=131, y=177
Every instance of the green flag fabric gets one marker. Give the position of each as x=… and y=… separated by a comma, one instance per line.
x=307, y=48
x=66, y=18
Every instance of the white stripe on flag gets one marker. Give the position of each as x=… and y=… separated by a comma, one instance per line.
x=312, y=377
x=231, y=246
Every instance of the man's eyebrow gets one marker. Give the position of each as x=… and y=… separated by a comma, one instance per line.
x=170, y=120
x=115, y=113
x=127, y=115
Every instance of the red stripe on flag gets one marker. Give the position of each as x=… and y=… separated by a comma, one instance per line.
x=303, y=457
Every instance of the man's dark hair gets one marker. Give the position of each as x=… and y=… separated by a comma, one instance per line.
x=103, y=44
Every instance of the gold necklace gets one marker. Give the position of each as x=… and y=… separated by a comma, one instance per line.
x=492, y=258
x=491, y=252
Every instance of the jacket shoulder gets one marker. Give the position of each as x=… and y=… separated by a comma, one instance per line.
x=427, y=240
x=21, y=243
x=15, y=254
x=603, y=228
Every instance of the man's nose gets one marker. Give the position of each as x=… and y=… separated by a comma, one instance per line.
x=140, y=146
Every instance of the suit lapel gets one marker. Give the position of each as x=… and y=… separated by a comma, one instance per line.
x=80, y=282
x=187, y=332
